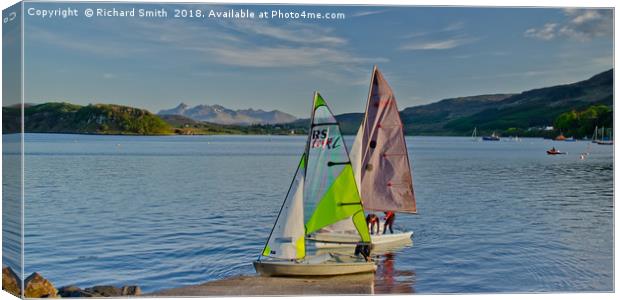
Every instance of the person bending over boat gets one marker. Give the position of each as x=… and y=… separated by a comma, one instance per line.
x=389, y=221
x=372, y=220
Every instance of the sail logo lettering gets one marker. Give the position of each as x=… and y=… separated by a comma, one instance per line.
x=321, y=139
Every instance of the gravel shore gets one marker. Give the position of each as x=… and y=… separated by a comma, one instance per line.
x=263, y=285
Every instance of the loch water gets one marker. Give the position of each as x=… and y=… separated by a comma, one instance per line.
x=164, y=212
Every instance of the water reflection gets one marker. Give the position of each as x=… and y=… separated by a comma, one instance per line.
x=388, y=278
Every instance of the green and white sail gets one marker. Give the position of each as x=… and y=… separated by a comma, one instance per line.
x=325, y=177
x=329, y=175
x=287, y=237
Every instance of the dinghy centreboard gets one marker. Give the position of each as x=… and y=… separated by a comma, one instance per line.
x=325, y=176
x=381, y=167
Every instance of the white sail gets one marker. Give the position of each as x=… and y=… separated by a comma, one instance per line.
x=287, y=238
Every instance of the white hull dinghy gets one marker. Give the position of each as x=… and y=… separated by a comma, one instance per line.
x=333, y=266
x=346, y=239
x=377, y=250
x=324, y=176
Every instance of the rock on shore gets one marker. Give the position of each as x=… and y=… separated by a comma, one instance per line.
x=11, y=282
x=35, y=286
x=99, y=291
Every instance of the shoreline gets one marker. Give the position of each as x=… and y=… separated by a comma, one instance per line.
x=231, y=134
x=256, y=285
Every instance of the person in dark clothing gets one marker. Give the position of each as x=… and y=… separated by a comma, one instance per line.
x=389, y=221
x=364, y=250
x=372, y=220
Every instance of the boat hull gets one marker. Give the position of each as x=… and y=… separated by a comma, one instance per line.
x=289, y=268
x=337, y=240
x=555, y=153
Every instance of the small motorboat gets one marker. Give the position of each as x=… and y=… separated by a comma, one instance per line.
x=554, y=151
x=493, y=137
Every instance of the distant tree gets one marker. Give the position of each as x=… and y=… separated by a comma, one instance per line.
x=582, y=123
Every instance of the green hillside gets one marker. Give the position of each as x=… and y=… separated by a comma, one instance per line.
x=522, y=114
x=56, y=117
x=539, y=107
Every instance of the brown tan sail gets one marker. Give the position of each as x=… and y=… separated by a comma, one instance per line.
x=386, y=182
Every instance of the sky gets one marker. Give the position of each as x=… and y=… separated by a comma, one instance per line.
x=426, y=54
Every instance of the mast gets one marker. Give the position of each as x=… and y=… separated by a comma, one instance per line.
x=307, y=150
x=594, y=136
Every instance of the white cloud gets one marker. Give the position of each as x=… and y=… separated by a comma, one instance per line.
x=277, y=57
x=241, y=44
x=444, y=38
x=437, y=44
x=295, y=33
x=581, y=25
x=368, y=13
x=547, y=32
x=456, y=26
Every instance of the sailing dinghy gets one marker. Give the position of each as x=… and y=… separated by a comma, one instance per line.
x=381, y=166
x=324, y=176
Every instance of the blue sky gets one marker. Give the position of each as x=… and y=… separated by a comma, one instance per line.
x=426, y=53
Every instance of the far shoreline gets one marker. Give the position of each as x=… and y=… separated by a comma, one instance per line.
x=232, y=134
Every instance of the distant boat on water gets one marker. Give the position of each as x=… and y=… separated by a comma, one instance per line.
x=554, y=151
x=492, y=137
x=474, y=135
x=605, y=139
x=595, y=135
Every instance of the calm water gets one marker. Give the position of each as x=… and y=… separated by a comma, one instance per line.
x=163, y=212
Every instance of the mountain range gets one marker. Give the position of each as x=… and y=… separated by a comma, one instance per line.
x=219, y=114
